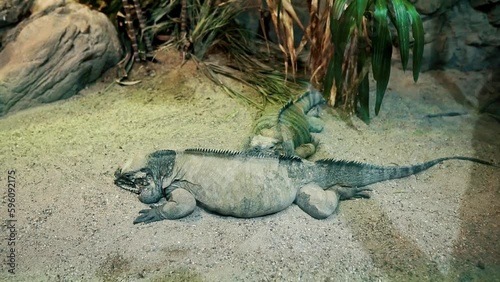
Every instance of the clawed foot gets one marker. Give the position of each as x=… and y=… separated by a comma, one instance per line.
x=148, y=216
x=346, y=193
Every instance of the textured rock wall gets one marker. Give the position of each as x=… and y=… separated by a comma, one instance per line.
x=461, y=34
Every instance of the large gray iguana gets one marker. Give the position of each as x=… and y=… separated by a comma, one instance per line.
x=245, y=184
x=287, y=130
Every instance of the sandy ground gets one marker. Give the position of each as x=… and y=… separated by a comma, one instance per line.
x=74, y=224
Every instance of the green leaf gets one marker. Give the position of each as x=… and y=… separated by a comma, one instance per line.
x=381, y=88
x=381, y=37
x=364, y=90
x=346, y=29
x=334, y=27
x=337, y=9
x=361, y=5
x=341, y=30
x=418, y=38
x=157, y=14
x=331, y=74
x=338, y=58
x=364, y=99
x=402, y=24
x=382, y=51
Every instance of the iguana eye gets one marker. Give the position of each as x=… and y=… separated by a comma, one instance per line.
x=141, y=181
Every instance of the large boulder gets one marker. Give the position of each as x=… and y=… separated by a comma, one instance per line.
x=61, y=47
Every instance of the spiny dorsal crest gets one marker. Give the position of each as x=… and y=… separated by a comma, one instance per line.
x=337, y=162
x=310, y=99
x=242, y=154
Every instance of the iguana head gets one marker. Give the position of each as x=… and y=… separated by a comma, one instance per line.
x=263, y=142
x=145, y=176
x=140, y=182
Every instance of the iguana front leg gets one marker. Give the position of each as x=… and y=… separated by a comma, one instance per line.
x=316, y=125
x=320, y=203
x=180, y=204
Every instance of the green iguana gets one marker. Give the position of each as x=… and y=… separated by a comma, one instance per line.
x=246, y=184
x=287, y=130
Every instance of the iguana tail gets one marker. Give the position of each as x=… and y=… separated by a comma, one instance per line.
x=354, y=174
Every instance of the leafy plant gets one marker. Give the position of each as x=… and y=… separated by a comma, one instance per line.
x=354, y=21
x=210, y=26
x=359, y=38
x=346, y=39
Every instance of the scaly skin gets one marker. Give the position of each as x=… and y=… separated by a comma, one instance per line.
x=287, y=130
x=248, y=184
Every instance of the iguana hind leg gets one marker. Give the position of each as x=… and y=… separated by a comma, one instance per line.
x=320, y=203
x=305, y=150
x=317, y=202
x=180, y=204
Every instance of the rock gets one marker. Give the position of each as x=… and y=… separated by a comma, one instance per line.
x=494, y=15
x=479, y=3
x=460, y=38
x=429, y=7
x=54, y=53
x=472, y=42
x=11, y=11
x=490, y=7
